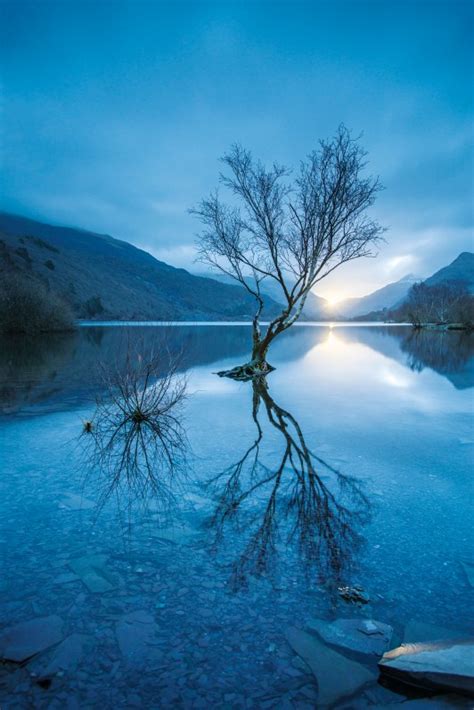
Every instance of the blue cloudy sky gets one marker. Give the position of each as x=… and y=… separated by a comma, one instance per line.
x=114, y=114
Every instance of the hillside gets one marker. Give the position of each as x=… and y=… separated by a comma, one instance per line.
x=105, y=278
x=460, y=270
x=316, y=307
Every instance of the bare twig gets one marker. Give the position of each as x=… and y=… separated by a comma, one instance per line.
x=138, y=442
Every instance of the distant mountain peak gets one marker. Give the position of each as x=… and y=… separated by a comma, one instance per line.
x=411, y=278
x=460, y=270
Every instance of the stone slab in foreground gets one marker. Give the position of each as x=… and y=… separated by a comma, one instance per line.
x=446, y=665
x=337, y=677
x=364, y=636
x=22, y=641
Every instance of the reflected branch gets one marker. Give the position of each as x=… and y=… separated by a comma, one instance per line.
x=137, y=442
x=289, y=502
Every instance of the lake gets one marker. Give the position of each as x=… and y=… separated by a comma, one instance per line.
x=351, y=467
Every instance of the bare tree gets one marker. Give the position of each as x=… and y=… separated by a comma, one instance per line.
x=294, y=233
x=439, y=304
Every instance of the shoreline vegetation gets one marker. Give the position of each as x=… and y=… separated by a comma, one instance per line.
x=303, y=323
x=444, y=306
x=102, y=279
x=28, y=307
x=468, y=327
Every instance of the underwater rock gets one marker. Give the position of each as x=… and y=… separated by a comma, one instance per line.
x=22, y=641
x=179, y=534
x=336, y=675
x=361, y=635
x=91, y=570
x=65, y=657
x=468, y=567
x=66, y=578
x=439, y=665
x=439, y=702
x=354, y=595
x=135, y=633
x=72, y=501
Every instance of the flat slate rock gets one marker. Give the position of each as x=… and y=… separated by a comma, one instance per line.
x=72, y=501
x=447, y=665
x=20, y=642
x=65, y=657
x=438, y=702
x=468, y=568
x=66, y=578
x=337, y=677
x=91, y=570
x=361, y=635
x=136, y=634
x=177, y=534
x=417, y=631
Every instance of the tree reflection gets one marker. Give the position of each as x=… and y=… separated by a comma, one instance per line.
x=29, y=367
x=446, y=352
x=136, y=440
x=288, y=503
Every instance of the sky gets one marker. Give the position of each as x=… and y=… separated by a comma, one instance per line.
x=115, y=114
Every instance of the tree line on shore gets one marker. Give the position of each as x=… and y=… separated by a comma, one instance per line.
x=448, y=304
x=28, y=306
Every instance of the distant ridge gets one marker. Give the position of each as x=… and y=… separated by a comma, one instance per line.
x=316, y=307
x=460, y=270
x=107, y=278
x=380, y=299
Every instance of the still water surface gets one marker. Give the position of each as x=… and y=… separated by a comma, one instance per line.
x=199, y=593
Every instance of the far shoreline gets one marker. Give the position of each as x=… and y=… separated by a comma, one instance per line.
x=246, y=324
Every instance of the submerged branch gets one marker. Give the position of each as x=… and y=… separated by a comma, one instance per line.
x=137, y=441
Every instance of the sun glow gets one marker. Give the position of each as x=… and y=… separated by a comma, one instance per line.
x=333, y=300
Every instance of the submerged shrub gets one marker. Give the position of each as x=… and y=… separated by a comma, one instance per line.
x=28, y=306
x=93, y=306
x=136, y=439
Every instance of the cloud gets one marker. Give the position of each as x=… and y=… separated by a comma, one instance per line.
x=182, y=256
x=123, y=138
x=397, y=264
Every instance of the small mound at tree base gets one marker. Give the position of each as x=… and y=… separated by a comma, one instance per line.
x=247, y=372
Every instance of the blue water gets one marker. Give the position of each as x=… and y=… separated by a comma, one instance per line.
x=228, y=562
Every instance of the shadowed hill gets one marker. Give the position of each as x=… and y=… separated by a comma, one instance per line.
x=105, y=278
x=460, y=270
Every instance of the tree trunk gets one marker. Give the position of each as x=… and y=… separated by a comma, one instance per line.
x=257, y=366
x=259, y=352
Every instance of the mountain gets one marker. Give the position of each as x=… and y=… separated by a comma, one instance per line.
x=105, y=278
x=386, y=297
x=316, y=307
x=460, y=270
